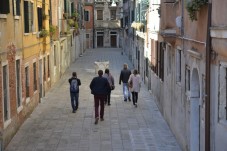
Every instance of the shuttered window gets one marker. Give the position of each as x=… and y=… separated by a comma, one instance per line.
x=27, y=82
x=99, y=14
x=34, y=77
x=40, y=18
x=28, y=17
x=16, y=7
x=113, y=14
x=178, y=65
x=5, y=92
x=4, y=6
x=86, y=15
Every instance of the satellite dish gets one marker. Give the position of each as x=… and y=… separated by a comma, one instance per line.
x=178, y=21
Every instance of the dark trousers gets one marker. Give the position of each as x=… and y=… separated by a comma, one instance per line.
x=74, y=100
x=108, y=98
x=99, y=100
x=134, y=97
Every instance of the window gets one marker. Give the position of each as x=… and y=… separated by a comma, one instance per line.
x=87, y=36
x=4, y=7
x=178, y=65
x=28, y=17
x=40, y=18
x=44, y=69
x=5, y=92
x=113, y=14
x=27, y=81
x=187, y=78
x=18, y=78
x=99, y=14
x=222, y=103
x=169, y=59
x=161, y=61
x=48, y=66
x=146, y=66
x=86, y=15
x=55, y=56
x=16, y=7
x=34, y=77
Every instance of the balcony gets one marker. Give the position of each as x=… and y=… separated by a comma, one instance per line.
x=170, y=22
x=107, y=24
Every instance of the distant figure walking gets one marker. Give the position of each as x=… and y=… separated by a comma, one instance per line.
x=124, y=76
x=134, y=86
x=74, y=91
x=99, y=88
x=110, y=79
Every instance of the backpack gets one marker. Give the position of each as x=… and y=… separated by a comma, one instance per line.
x=74, y=86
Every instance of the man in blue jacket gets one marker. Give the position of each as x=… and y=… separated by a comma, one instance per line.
x=99, y=88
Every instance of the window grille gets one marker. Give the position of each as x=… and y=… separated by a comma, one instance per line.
x=5, y=93
x=27, y=81
x=18, y=73
x=34, y=76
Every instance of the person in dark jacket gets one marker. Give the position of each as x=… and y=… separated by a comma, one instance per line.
x=110, y=79
x=99, y=88
x=124, y=76
x=74, y=94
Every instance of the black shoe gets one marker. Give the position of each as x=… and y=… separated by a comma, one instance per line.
x=96, y=120
x=129, y=99
x=125, y=100
x=135, y=105
x=101, y=119
x=74, y=111
x=109, y=104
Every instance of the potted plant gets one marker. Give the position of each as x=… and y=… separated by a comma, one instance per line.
x=43, y=33
x=193, y=7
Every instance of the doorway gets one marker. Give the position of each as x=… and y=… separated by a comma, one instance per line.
x=194, y=111
x=100, y=38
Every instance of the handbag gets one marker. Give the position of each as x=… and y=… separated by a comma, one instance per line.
x=130, y=84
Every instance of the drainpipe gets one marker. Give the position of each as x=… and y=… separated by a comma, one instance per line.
x=207, y=88
x=94, y=24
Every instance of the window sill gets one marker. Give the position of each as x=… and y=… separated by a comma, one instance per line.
x=3, y=16
x=26, y=34
x=6, y=123
x=19, y=109
x=16, y=17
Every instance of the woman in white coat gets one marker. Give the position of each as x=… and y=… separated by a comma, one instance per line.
x=134, y=86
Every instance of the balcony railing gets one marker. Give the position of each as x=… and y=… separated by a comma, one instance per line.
x=107, y=24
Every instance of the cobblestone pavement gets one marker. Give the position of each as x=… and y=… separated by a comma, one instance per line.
x=53, y=127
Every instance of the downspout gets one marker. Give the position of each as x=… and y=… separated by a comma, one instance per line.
x=207, y=88
x=94, y=24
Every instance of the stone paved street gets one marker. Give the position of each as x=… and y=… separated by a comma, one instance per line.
x=53, y=127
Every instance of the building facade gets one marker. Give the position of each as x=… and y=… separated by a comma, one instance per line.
x=106, y=24
x=181, y=57
x=38, y=42
x=89, y=23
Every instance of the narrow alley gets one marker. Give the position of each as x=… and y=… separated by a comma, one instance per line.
x=53, y=127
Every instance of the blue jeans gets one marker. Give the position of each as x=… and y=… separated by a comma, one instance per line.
x=126, y=91
x=74, y=100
